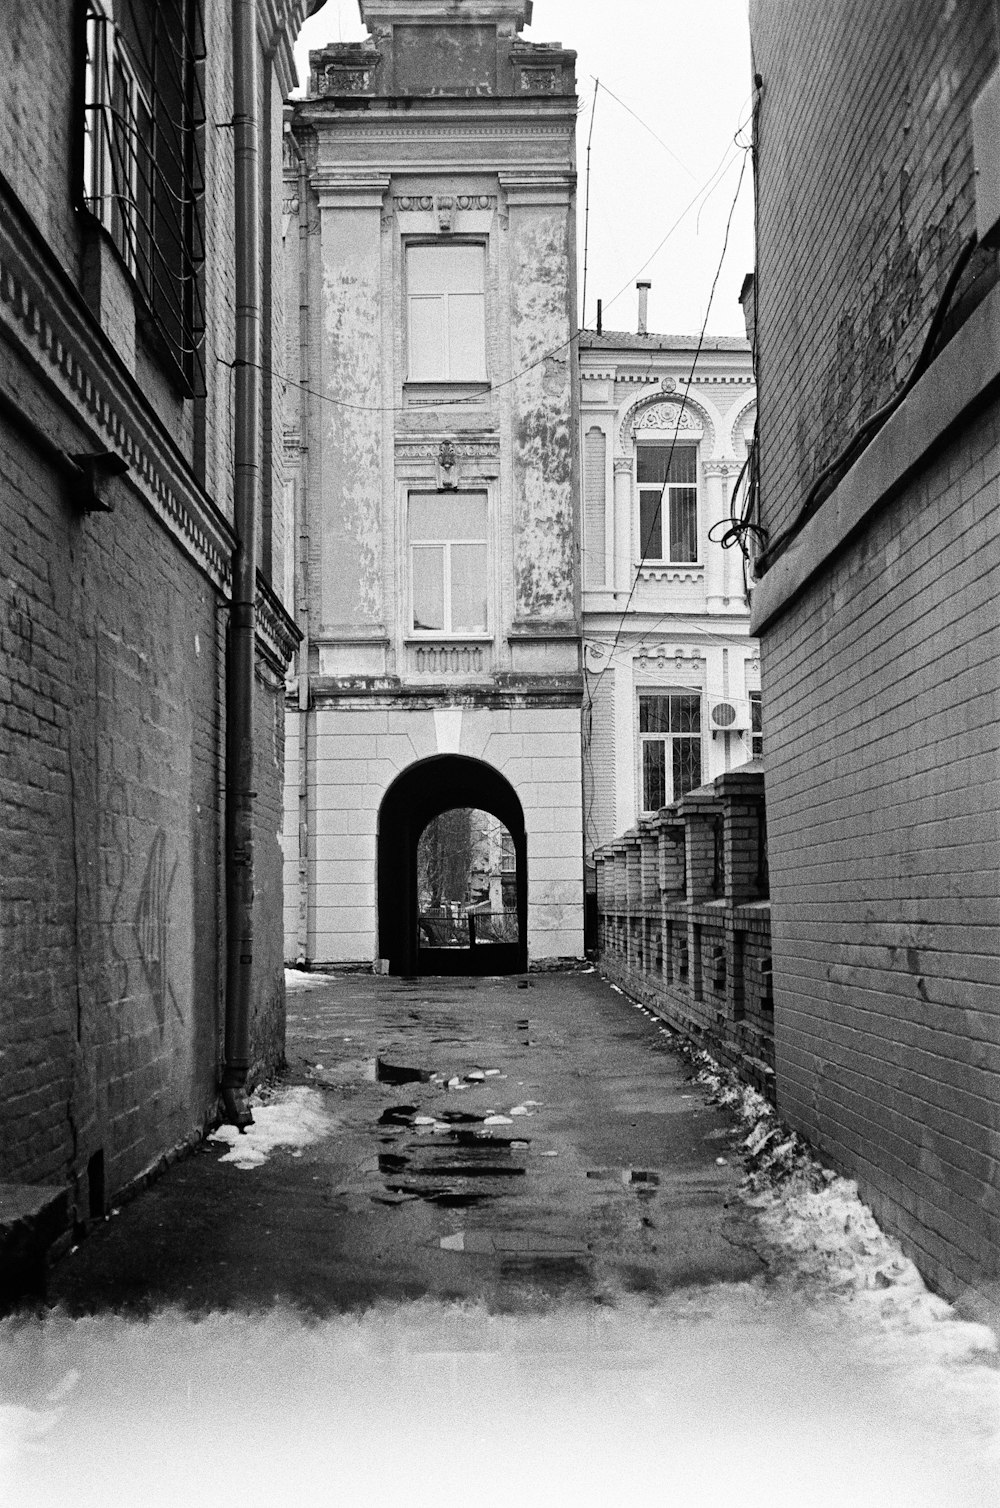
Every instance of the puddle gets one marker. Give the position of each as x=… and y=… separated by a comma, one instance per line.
x=399, y=1073
x=529, y=1244
x=643, y=1176
x=471, y=1170
x=399, y=1115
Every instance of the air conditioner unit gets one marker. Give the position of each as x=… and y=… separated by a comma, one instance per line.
x=729, y=716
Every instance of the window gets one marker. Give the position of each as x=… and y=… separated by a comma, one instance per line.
x=142, y=160
x=756, y=725
x=670, y=747
x=446, y=303
x=448, y=563
x=667, y=476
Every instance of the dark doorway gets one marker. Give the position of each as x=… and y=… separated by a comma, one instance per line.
x=447, y=802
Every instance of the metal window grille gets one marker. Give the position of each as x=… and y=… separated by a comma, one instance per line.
x=670, y=740
x=143, y=178
x=756, y=725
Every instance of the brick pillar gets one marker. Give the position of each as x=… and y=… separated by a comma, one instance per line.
x=633, y=896
x=699, y=810
x=670, y=852
x=648, y=864
x=600, y=879
x=742, y=795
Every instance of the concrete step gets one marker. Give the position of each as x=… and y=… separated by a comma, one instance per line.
x=32, y=1217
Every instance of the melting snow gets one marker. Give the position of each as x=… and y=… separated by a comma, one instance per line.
x=293, y=1118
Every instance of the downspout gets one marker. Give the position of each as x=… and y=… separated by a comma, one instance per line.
x=302, y=553
x=242, y=616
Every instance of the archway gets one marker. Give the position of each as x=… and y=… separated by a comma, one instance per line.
x=415, y=799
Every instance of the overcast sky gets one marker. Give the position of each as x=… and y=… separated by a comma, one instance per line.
x=684, y=70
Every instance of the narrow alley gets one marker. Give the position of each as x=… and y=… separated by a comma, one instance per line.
x=521, y=1143
x=490, y=1234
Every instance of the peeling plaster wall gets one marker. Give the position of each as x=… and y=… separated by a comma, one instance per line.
x=351, y=516
x=544, y=516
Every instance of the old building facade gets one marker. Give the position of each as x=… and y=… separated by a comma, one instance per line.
x=430, y=243
x=672, y=675
x=118, y=250
x=878, y=367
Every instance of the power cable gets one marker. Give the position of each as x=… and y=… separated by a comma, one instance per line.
x=592, y=691
x=644, y=124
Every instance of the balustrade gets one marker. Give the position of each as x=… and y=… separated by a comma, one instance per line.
x=684, y=920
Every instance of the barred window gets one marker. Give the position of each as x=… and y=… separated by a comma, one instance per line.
x=143, y=122
x=670, y=747
x=757, y=725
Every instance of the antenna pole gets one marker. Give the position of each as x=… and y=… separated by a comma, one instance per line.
x=586, y=210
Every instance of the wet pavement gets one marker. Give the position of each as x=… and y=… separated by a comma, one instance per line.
x=486, y=1241
x=510, y=1141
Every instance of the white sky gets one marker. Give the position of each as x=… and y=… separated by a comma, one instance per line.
x=685, y=70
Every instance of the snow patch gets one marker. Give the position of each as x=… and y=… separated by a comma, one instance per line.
x=293, y=1118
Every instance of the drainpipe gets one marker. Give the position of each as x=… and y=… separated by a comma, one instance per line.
x=302, y=575
x=242, y=624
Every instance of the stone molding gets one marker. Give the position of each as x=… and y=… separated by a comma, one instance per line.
x=429, y=449
x=672, y=415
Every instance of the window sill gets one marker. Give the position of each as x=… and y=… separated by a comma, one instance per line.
x=433, y=394
x=653, y=570
x=441, y=638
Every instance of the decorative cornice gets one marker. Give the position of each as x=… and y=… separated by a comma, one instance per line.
x=74, y=364
x=672, y=573
x=428, y=449
x=277, y=635
x=407, y=203
x=70, y=380
x=658, y=654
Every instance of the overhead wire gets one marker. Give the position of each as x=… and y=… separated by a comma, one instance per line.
x=591, y=691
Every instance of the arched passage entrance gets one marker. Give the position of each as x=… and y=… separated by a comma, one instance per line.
x=415, y=799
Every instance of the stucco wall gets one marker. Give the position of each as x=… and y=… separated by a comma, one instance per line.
x=359, y=753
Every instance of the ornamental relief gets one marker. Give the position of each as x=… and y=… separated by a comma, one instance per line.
x=675, y=417
x=541, y=80
x=462, y=450
x=655, y=657
x=425, y=203
x=337, y=79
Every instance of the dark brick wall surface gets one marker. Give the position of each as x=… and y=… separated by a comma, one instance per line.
x=883, y=835
x=881, y=679
x=110, y=733
x=866, y=193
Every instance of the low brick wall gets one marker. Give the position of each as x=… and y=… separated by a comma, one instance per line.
x=684, y=920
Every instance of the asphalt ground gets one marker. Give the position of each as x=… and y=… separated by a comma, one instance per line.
x=613, y=1177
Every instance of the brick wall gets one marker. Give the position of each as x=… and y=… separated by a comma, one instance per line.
x=883, y=830
x=111, y=736
x=865, y=182
x=112, y=670
x=880, y=644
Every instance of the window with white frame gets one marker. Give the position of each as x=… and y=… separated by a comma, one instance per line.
x=669, y=746
x=448, y=580
x=142, y=149
x=667, y=480
x=446, y=312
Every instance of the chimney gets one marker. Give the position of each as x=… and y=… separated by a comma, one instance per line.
x=643, y=306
